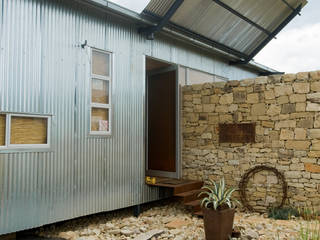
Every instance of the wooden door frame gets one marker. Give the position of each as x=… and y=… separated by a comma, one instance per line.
x=177, y=174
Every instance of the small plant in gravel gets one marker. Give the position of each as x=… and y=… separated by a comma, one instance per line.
x=283, y=213
x=311, y=231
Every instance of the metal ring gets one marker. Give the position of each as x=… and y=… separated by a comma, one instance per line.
x=250, y=173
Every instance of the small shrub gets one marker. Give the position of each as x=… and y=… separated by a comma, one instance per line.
x=284, y=213
x=311, y=231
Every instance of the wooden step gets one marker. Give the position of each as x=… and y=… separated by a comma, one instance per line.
x=192, y=185
x=195, y=204
x=199, y=213
x=189, y=196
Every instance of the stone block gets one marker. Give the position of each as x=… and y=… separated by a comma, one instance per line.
x=301, y=107
x=214, y=99
x=205, y=100
x=313, y=107
x=300, y=133
x=313, y=168
x=226, y=99
x=267, y=124
x=288, y=108
x=240, y=97
x=283, y=100
x=196, y=87
x=315, y=176
x=302, y=75
x=213, y=119
x=187, y=97
x=233, y=107
x=305, y=123
x=315, y=75
x=209, y=108
x=295, y=98
x=253, y=98
x=285, y=124
x=271, y=179
x=273, y=110
x=298, y=145
x=207, y=135
x=289, y=77
x=247, y=82
x=258, y=109
x=297, y=167
x=314, y=97
x=282, y=90
x=293, y=174
x=225, y=118
x=197, y=108
x=314, y=154
x=269, y=95
x=222, y=109
x=286, y=134
x=301, y=87
x=206, y=92
x=314, y=133
x=192, y=117
x=315, y=86
x=178, y=223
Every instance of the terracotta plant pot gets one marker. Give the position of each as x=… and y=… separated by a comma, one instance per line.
x=218, y=224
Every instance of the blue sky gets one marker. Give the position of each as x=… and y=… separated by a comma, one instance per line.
x=297, y=47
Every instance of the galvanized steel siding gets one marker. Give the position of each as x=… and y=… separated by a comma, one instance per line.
x=44, y=70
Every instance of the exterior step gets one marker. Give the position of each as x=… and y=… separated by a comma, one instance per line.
x=199, y=214
x=192, y=185
x=195, y=204
x=189, y=195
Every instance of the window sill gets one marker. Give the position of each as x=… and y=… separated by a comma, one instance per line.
x=26, y=150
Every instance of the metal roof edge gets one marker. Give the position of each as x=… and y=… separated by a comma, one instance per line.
x=119, y=10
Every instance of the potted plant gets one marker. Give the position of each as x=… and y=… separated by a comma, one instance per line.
x=218, y=210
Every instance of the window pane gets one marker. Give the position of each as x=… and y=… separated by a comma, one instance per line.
x=100, y=63
x=100, y=119
x=2, y=130
x=28, y=130
x=100, y=91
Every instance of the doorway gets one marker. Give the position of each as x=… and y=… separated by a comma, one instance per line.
x=162, y=124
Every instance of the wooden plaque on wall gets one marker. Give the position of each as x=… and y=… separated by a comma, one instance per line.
x=237, y=133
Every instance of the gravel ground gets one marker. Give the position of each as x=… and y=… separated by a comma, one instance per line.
x=170, y=220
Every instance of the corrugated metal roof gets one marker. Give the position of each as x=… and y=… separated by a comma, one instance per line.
x=209, y=19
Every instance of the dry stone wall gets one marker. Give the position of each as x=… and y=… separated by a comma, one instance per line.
x=286, y=111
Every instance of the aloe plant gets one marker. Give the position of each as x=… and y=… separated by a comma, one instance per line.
x=217, y=195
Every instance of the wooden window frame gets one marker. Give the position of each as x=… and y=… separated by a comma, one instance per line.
x=101, y=105
x=9, y=146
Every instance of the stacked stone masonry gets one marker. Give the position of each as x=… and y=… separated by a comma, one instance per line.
x=286, y=110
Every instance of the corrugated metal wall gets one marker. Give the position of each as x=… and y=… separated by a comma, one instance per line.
x=43, y=70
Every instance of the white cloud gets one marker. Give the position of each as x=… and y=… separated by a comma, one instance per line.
x=294, y=50
x=134, y=5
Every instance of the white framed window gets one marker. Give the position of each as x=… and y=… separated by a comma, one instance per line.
x=100, y=92
x=24, y=131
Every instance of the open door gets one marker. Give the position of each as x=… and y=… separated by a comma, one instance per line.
x=162, y=121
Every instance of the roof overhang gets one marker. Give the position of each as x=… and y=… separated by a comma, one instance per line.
x=239, y=39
